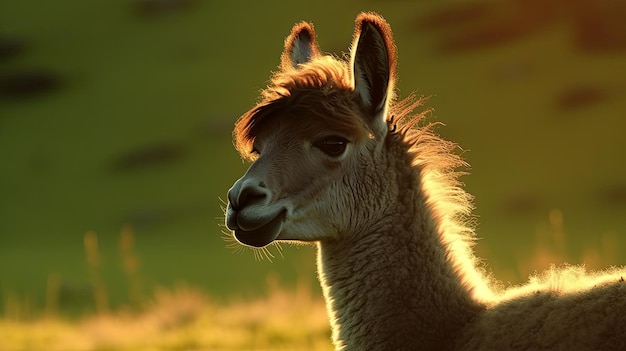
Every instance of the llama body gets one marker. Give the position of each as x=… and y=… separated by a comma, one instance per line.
x=337, y=162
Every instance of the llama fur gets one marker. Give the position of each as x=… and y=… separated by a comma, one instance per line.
x=392, y=224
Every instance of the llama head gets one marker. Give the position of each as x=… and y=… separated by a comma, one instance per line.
x=316, y=141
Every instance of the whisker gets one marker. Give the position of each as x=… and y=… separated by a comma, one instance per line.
x=222, y=201
x=279, y=249
x=267, y=253
x=223, y=204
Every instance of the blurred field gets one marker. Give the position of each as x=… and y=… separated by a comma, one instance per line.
x=184, y=319
x=116, y=115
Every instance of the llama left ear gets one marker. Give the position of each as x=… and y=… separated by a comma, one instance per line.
x=374, y=67
x=300, y=46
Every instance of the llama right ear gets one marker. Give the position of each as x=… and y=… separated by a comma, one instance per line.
x=300, y=46
x=374, y=68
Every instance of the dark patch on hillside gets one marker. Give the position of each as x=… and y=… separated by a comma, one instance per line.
x=158, y=154
x=28, y=84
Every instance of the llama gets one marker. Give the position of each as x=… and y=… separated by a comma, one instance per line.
x=337, y=161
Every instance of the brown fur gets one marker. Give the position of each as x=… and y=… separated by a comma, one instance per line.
x=320, y=89
x=391, y=222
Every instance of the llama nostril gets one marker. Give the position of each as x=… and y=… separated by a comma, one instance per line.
x=245, y=192
x=250, y=195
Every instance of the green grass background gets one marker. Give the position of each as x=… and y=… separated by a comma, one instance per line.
x=130, y=82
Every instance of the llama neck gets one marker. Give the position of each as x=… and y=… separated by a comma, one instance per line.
x=393, y=287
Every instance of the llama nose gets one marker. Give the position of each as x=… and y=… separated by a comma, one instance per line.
x=247, y=192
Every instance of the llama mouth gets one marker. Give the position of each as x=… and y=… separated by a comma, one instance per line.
x=263, y=235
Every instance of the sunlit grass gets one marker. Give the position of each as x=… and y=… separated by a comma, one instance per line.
x=181, y=319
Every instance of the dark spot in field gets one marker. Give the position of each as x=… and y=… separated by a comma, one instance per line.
x=599, y=26
x=621, y=279
x=483, y=38
x=149, y=156
x=521, y=204
x=154, y=8
x=488, y=24
x=596, y=26
x=28, y=84
x=10, y=48
x=581, y=96
x=614, y=195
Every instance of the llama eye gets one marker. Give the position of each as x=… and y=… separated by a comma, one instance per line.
x=333, y=146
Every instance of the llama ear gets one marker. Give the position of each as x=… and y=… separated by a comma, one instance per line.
x=300, y=46
x=374, y=66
